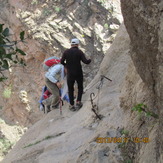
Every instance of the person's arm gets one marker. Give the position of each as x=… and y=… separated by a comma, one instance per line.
x=59, y=85
x=84, y=59
x=53, y=71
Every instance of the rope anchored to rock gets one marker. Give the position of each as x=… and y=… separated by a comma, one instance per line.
x=95, y=107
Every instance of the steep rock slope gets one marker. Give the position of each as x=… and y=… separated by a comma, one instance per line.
x=49, y=26
x=72, y=136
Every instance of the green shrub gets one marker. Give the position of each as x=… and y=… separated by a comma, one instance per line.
x=5, y=145
x=9, y=52
x=142, y=108
x=7, y=92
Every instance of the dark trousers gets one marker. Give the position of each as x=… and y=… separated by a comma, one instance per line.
x=70, y=83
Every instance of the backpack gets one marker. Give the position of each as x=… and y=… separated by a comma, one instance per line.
x=46, y=94
x=50, y=62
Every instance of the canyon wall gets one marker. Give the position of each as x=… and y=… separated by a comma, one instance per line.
x=133, y=61
x=143, y=21
x=49, y=27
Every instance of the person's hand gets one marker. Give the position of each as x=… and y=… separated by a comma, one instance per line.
x=59, y=85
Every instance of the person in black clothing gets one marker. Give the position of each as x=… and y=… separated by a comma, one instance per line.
x=72, y=60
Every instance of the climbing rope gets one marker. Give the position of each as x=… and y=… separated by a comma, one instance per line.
x=95, y=107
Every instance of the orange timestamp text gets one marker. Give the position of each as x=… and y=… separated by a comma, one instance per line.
x=122, y=139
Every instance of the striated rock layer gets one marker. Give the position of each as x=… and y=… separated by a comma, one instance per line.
x=143, y=20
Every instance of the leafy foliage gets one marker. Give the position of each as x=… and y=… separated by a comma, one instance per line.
x=102, y=1
x=39, y=141
x=46, y=138
x=5, y=145
x=9, y=52
x=143, y=108
x=7, y=92
x=57, y=9
x=46, y=11
x=34, y=2
x=106, y=26
x=125, y=132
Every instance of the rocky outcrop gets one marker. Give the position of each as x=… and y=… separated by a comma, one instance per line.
x=141, y=20
x=49, y=26
x=133, y=62
x=72, y=136
x=144, y=25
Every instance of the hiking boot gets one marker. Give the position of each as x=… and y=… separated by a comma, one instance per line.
x=78, y=105
x=72, y=107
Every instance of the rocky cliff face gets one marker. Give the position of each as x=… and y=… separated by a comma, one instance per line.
x=143, y=20
x=72, y=136
x=133, y=62
x=49, y=27
x=144, y=31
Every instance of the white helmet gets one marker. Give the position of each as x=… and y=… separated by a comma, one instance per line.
x=74, y=41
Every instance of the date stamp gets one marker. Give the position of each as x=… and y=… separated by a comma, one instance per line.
x=122, y=139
